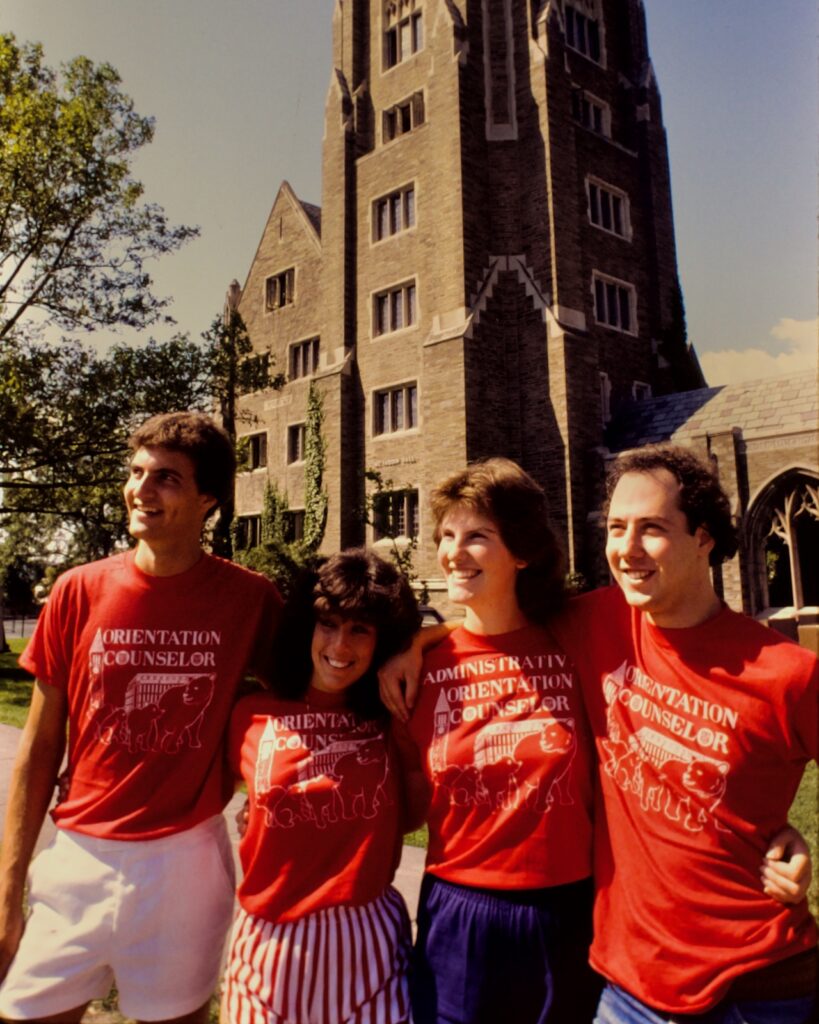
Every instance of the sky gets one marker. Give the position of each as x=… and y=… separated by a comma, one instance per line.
x=238, y=90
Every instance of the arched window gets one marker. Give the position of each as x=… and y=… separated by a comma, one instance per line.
x=785, y=538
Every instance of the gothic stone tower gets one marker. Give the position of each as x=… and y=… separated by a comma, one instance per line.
x=492, y=270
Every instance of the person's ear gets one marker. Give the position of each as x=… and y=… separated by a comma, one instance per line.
x=704, y=540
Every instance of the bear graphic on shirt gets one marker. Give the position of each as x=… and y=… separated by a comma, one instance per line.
x=341, y=780
x=667, y=776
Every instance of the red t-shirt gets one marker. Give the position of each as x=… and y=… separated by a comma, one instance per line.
x=325, y=805
x=503, y=741
x=702, y=735
x=150, y=666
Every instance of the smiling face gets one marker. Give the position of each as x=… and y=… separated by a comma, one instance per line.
x=661, y=567
x=341, y=651
x=479, y=569
x=165, y=506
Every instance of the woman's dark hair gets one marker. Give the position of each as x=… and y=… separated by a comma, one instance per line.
x=503, y=492
x=355, y=584
x=701, y=498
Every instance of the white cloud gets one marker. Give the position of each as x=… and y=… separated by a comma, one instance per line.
x=793, y=350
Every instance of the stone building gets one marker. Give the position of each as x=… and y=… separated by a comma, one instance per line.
x=492, y=270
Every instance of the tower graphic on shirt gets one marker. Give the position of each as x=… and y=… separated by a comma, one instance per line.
x=668, y=777
x=158, y=711
x=441, y=724
x=96, y=693
x=344, y=779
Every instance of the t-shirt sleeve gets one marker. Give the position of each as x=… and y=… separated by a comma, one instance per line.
x=806, y=716
x=240, y=720
x=47, y=654
x=415, y=790
x=406, y=749
x=261, y=660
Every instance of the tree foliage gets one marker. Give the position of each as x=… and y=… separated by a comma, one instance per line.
x=67, y=413
x=376, y=514
x=236, y=369
x=282, y=563
x=75, y=235
x=315, y=496
x=274, y=507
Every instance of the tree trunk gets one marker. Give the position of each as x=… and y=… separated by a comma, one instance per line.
x=4, y=647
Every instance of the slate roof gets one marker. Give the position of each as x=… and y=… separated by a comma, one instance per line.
x=313, y=214
x=762, y=408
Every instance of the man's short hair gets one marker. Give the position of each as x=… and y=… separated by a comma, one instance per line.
x=702, y=499
x=202, y=440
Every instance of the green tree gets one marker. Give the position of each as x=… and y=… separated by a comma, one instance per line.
x=66, y=414
x=376, y=512
x=276, y=557
x=74, y=233
x=75, y=236
x=274, y=507
x=236, y=369
x=315, y=497
x=280, y=562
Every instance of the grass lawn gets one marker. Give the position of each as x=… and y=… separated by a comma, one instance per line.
x=804, y=815
x=15, y=686
x=418, y=838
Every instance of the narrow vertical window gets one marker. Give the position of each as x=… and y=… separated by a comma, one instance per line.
x=393, y=213
x=614, y=303
x=583, y=33
x=395, y=409
x=410, y=290
x=397, y=310
x=403, y=37
x=394, y=309
x=608, y=208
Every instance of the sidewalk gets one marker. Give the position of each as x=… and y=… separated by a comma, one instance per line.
x=19, y=627
x=407, y=879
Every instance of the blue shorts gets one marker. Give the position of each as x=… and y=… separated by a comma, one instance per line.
x=484, y=956
x=618, y=1007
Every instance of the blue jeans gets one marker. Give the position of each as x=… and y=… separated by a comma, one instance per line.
x=618, y=1007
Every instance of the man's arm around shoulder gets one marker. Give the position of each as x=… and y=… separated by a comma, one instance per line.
x=32, y=785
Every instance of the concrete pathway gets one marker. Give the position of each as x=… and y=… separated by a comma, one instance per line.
x=407, y=879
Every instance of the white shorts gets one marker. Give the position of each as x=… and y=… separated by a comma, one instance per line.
x=152, y=915
x=342, y=965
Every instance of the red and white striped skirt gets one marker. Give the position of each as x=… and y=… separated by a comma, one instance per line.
x=342, y=965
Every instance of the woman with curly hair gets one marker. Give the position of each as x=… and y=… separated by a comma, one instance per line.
x=320, y=934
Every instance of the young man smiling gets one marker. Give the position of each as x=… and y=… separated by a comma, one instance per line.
x=704, y=721
x=141, y=656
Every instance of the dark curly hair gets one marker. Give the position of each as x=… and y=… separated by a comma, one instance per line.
x=702, y=499
x=355, y=584
x=202, y=440
x=499, y=489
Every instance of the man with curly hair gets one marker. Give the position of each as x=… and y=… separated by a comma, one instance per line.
x=704, y=721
